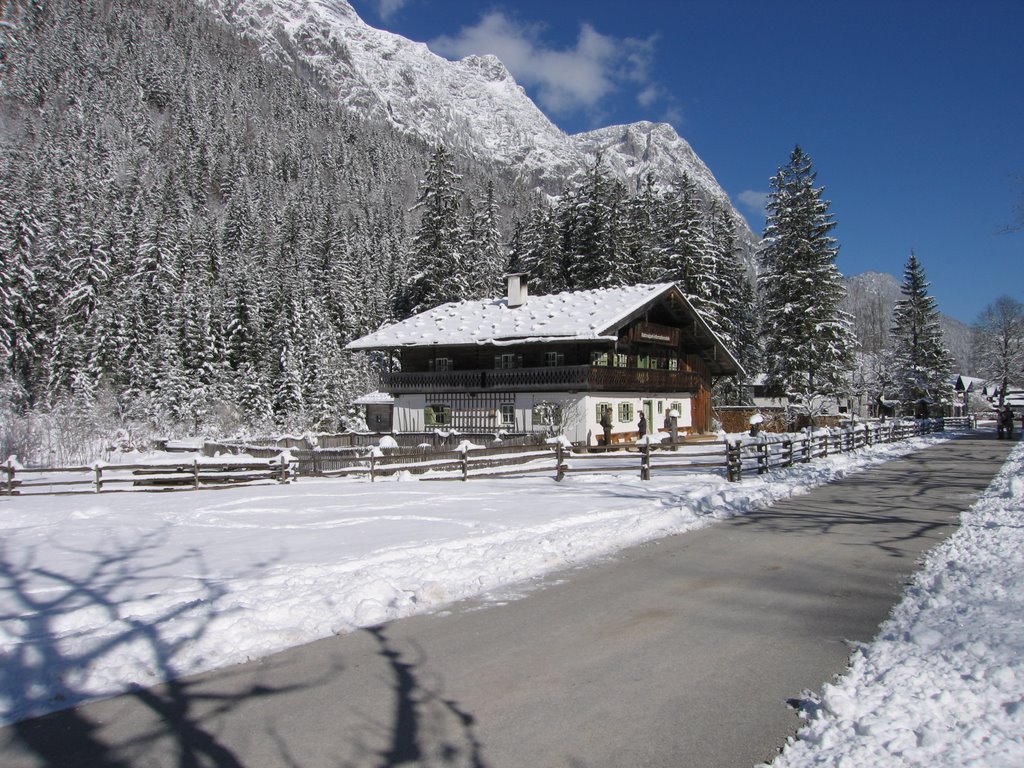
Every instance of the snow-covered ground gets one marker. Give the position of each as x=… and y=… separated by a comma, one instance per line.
x=943, y=682
x=99, y=593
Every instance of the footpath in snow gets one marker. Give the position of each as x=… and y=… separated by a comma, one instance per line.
x=943, y=682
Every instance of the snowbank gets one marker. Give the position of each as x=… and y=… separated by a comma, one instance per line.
x=943, y=683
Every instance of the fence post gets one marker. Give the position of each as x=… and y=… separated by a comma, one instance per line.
x=645, y=462
x=98, y=470
x=10, y=475
x=373, y=462
x=559, y=467
x=465, y=465
x=762, y=458
x=787, y=452
x=733, y=461
x=195, y=474
x=284, y=470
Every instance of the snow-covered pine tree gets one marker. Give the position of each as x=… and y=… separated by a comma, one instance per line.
x=737, y=318
x=588, y=217
x=640, y=235
x=686, y=260
x=20, y=328
x=807, y=340
x=484, y=254
x=540, y=248
x=440, y=272
x=920, y=363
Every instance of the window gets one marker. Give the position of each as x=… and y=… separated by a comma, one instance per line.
x=673, y=363
x=508, y=415
x=508, y=361
x=437, y=415
x=661, y=406
x=599, y=412
x=625, y=412
x=621, y=361
x=599, y=358
x=553, y=359
x=441, y=364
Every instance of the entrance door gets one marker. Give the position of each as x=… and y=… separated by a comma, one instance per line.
x=648, y=407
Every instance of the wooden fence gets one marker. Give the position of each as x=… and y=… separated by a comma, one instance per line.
x=99, y=478
x=768, y=452
x=732, y=458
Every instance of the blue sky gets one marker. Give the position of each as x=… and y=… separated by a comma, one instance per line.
x=913, y=111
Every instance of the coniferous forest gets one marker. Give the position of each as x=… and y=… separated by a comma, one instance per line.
x=190, y=234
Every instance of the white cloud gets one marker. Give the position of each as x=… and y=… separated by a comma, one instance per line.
x=754, y=202
x=388, y=8
x=648, y=95
x=565, y=80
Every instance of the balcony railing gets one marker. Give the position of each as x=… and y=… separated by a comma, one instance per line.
x=554, y=378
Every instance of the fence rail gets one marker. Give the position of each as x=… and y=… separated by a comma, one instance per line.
x=769, y=452
x=732, y=458
x=100, y=478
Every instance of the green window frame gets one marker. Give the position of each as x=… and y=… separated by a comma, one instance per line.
x=599, y=411
x=626, y=412
x=437, y=415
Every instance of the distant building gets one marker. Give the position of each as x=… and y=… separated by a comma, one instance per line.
x=522, y=363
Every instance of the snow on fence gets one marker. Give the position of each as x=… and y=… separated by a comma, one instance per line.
x=434, y=439
x=100, y=477
x=766, y=452
x=732, y=457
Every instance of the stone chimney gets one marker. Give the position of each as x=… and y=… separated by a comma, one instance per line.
x=517, y=290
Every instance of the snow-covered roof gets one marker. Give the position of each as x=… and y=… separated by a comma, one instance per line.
x=593, y=315
x=579, y=315
x=968, y=383
x=375, y=398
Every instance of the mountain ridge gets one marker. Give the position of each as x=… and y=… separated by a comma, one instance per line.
x=473, y=106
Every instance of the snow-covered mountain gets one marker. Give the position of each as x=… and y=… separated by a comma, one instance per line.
x=633, y=151
x=473, y=106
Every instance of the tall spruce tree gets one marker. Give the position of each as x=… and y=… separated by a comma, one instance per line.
x=807, y=340
x=438, y=250
x=921, y=364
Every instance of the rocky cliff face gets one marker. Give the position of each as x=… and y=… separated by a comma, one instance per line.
x=473, y=106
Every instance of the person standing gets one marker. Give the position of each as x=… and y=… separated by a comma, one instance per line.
x=1006, y=422
x=642, y=425
x=606, y=425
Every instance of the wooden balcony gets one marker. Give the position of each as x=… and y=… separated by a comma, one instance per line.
x=566, y=378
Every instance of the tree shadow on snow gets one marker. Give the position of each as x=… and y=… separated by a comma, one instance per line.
x=43, y=668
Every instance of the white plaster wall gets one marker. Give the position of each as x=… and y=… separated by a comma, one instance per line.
x=408, y=415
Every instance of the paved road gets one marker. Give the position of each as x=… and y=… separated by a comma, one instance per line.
x=679, y=653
